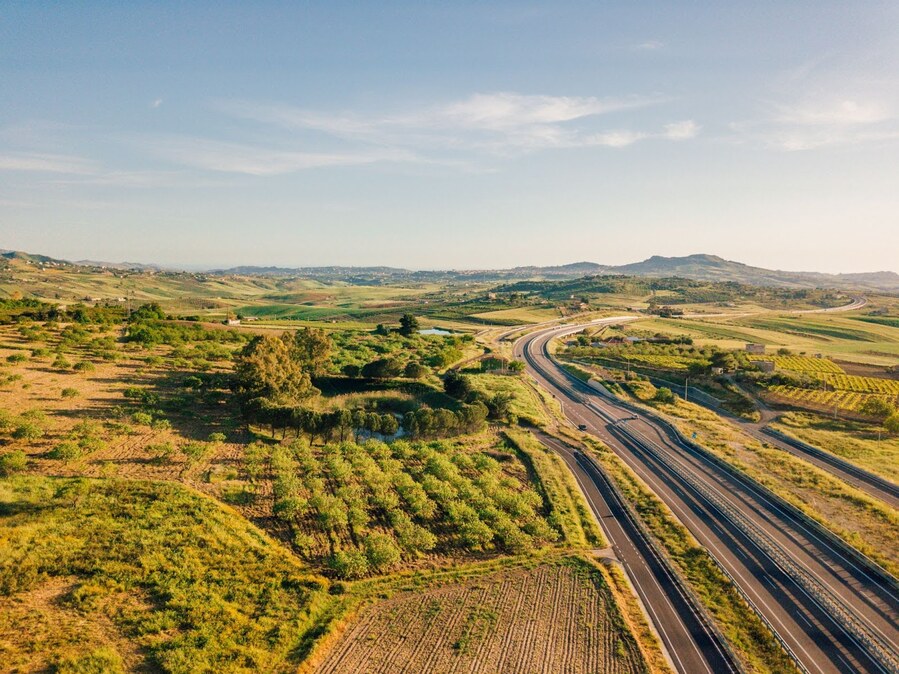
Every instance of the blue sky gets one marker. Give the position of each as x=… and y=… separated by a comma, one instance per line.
x=451, y=135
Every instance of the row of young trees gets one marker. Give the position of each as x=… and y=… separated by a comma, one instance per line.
x=363, y=508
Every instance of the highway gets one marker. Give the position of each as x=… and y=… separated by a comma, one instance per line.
x=692, y=645
x=833, y=612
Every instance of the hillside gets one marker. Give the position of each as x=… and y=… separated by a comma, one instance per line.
x=699, y=267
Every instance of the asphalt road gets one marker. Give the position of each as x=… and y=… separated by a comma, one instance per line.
x=832, y=613
x=690, y=643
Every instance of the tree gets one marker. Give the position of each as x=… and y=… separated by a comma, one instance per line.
x=352, y=371
x=311, y=347
x=516, y=366
x=877, y=408
x=415, y=370
x=13, y=462
x=349, y=564
x=457, y=385
x=266, y=369
x=380, y=550
x=383, y=368
x=891, y=423
x=408, y=325
x=500, y=405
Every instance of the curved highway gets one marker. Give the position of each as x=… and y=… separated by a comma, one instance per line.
x=833, y=612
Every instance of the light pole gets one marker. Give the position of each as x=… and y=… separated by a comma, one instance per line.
x=686, y=384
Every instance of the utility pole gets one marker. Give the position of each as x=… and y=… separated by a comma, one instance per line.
x=686, y=384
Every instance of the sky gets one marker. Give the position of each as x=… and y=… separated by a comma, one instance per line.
x=443, y=135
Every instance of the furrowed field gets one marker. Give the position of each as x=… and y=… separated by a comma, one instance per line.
x=551, y=618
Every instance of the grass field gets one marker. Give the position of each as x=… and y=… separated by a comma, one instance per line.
x=858, y=442
x=840, y=336
x=188, y=586
x=559, y=617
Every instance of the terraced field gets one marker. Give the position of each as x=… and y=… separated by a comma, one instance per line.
x=552, y=618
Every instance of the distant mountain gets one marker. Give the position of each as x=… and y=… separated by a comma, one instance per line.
x=138, y=266
x=713, y=268
x=30, y=258
x=700, y=267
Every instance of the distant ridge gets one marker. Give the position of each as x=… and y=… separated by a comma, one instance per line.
x=700, y=267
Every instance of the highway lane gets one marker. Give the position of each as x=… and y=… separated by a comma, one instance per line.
x=693, y=646
x=813, y=629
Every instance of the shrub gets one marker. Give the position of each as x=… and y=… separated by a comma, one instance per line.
x=101, y=661
x=161, y=424
x=65, y=451
x=40, y=353
x=664, y=395
x=162, y=451
x=13, y=462
x=217, y=437
x=28, y=430
x=142, y=418
x=349, y=564
x=194, y=451
x=69, y=392
x=17, y=358
x=84, y=366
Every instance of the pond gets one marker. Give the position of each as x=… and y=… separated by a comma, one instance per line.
x=434, y=331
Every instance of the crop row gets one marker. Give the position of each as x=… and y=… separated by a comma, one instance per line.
x=843, y=399
x=802, y=364
x=848, y=382
x=370, y=506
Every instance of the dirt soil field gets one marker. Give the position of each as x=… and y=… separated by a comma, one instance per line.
x=549, y=619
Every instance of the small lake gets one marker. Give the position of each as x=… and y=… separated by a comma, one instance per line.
x=434, y=331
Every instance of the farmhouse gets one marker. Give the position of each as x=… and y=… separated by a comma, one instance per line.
x=755, y=348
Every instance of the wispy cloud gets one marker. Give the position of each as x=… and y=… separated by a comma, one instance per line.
x=649, y=45
x=46, y=163
x=156, y=103
x=226, y=157
x=815, y=122
x=499, y=123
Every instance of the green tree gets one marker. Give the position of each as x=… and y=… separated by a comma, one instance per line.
x=877, y=408
x=349, y=564
x=381, y=551
x=415, y=370
x=891, y=423
x=266, y=369
x=13, y=462
x=312, y=347
x=408, y=325
x=664, y=395
x=383, y=368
